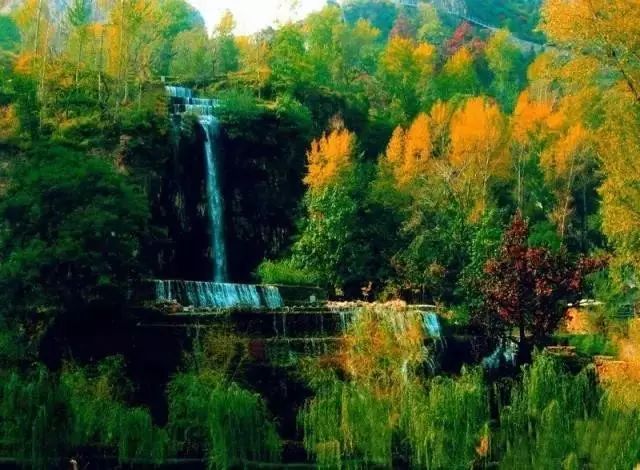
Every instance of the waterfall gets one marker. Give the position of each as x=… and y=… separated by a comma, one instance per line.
x=214, y=199
x=184, y=102
x=431, y=324
x=218, y=294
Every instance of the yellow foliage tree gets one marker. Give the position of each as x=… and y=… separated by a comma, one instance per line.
x=605, y=30
x=408, y=153
x=562, y=162
x=618, y=144
x=329, y=157
x=478, y=150
x=405, y=69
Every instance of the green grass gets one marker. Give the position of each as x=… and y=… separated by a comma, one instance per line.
x=285, y=272
x=589, y=344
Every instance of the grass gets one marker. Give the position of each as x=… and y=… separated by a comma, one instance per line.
x=590, y=344
x=285, y=272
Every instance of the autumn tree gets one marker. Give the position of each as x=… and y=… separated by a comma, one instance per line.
x=563, y=162
x=528, y=288
x=478, y=151
x=404, y=72
x=335, y=242
x=606, y=30
x=458, y=75
x=619, y=145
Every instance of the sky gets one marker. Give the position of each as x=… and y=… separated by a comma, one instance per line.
x=253, y=15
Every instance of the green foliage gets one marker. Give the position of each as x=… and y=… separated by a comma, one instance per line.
x=537, y=427
x=335, y=240
x=285, y=272
x=230, y=425
x=441, y=424
x=101, y=419
x=71, y=231
x=34, y=422
x=590, y=344
x=346, y=422
x=9, y=34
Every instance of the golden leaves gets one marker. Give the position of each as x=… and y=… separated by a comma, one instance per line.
x=478, y=137
x=562, y=157
x=329, y=157
x=532, y=117
x=9, y=123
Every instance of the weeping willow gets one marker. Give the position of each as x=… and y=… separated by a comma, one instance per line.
x=33, y=418
x=230, y=425
x=447, y=424
x=538, y=427
x=101, y=419
x=384, y=409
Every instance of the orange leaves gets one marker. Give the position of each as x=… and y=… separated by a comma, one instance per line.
x=409, y=152
x=531, y=117
x=562, y=157
x=329, y=157
x=383, y=343
x=478, y=137
x=478, y=150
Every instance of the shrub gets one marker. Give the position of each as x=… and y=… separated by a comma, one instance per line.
x=285, y=272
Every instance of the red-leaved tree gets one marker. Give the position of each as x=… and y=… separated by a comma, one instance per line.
x=528, y=288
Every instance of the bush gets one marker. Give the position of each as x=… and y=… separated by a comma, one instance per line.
x=285, y=272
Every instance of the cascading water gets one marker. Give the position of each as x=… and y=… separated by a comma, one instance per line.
x=219, y=253
x=218, y=294
x=184, y=102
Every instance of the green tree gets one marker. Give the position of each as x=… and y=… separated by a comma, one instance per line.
x=505, y=62
x=71, y=228
x=226, y=55
x=192, y=60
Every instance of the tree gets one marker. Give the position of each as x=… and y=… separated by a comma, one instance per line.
x=409, y=153
x=563, y=162
x=404, y=72
x=478, y=151
x=335, y=242
x=430, y=28
x=192, y=60
x=528, y=288
x=225, y=50
x=505, y=62
x=606, y=30
x=9, y=34
x=458, y=76
x=71, y=233
x=78, y=16
x=618, y=143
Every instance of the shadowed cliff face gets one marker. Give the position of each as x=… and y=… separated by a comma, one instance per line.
x=261, y=164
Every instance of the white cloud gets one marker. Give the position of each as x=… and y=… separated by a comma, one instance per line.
x=253, y=15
